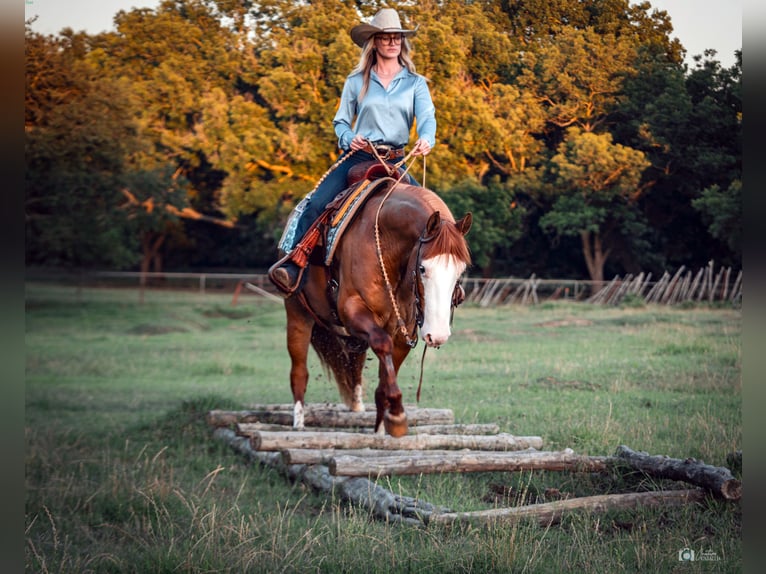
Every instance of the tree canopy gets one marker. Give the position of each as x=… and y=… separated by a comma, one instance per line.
x=573, y=130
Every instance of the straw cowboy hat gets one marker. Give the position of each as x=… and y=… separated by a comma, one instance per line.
x=386, y=21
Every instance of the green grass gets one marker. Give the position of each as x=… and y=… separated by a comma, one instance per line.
x=122, y=475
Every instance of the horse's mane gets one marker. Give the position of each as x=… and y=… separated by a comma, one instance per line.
x=449, y=240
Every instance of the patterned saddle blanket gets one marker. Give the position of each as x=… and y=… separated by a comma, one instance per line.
x=340, y=212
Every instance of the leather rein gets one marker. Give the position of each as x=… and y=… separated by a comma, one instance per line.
x=417, y=285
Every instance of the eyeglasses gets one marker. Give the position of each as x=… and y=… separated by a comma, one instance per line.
x=389, y=39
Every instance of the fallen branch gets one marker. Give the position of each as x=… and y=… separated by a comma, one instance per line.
x=551, y=512
x=717, y=480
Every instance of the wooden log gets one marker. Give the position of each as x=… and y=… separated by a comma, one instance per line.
x=717, y=480
x=725, y=294
x=736, y=290
x=464, y=429
x=324, y=416
x=670, y=289
x=272, y=441
x=345, y=465
x=360, y=492
x=656, y=290
x=551, y=512
x=325, y=455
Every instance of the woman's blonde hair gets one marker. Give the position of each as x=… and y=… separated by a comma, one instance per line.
x=369, y=58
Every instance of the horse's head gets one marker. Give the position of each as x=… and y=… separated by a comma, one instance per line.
x=443, y=258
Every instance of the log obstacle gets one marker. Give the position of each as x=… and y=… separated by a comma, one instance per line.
x=332, y=459
x=325, y=416
x=552, y=512
x=471, y=461
x=274, y=441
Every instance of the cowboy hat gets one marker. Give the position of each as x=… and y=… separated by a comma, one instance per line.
x=386, y=21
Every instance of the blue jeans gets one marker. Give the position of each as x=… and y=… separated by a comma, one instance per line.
x=333, y=184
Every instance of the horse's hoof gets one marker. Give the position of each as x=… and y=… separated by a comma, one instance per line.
x=396, y=425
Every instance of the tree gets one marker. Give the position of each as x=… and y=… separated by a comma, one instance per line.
x=722, y=212
x=689, y=125
x=78, y=131
x=498, y=218
x=175, y=60
x=595, y=184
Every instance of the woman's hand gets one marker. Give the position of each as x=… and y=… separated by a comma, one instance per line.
x=422, y=147
x=358, y=143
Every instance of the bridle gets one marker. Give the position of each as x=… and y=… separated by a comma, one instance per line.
x=458, y=295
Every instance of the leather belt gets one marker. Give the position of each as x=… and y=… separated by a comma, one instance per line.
x=385, y=151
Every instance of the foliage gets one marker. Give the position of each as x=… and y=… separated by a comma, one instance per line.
x=596, y=183
x=498, y=219
x=722, y=210
x=219, y=112
x=77, y=133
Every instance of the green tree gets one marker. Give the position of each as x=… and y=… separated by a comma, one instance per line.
x=595, y=183
x=721, y=210
x=78, y=131
x=689, y=125
x=175, y=59
x=497, y=216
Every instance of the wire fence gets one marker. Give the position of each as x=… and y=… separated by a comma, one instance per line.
x=706, y=285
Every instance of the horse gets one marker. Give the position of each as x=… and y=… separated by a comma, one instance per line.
x=395, y=269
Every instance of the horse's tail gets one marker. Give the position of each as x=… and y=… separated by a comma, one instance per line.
x=344, y=357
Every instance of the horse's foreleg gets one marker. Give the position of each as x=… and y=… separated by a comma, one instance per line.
x=388, y=398
x=298, y=340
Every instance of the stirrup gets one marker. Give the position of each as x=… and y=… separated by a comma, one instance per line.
x=285, y=288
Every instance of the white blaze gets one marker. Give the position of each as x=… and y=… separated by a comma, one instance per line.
x=439, y=275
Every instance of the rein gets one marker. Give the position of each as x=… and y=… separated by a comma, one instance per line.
x=411, y=341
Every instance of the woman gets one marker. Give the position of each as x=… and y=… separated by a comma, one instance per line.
x=381, y=99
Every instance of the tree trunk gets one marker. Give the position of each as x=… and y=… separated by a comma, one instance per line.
x=271, y=441
x=595, y=258
x=325, y=416
x=325, y=455
x=717, y=480
x=551, y=512
x=151, y=243
x=344, y=465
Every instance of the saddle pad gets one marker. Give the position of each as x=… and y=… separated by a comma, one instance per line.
x=346, y=212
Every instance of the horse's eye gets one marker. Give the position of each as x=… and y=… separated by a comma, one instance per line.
x=422, y=269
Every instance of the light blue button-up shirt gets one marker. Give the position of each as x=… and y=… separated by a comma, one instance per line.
x=385, y=116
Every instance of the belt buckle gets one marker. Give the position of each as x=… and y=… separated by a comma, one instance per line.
x=387, y=149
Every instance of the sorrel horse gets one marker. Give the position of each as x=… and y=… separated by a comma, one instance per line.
x=352, y=305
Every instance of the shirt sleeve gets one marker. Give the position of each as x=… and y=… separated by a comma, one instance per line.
x=344, y=117
x=425, y=113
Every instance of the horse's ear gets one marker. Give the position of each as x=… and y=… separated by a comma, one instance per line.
x=432, y=226
x=464, y=224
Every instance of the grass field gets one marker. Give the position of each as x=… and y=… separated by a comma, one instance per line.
x=122, y=474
